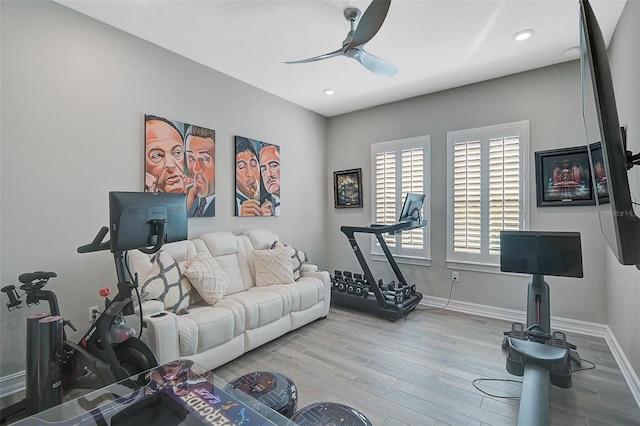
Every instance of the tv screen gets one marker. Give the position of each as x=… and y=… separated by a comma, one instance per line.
x=412, y=208
x=136, y=218
x=618, y=222
x=542, y=253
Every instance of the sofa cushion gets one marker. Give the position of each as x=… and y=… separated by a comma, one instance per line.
x=166, y=282
x=209, y=279
x=261, y=239
x=261, y=307
x=231, y=255
x=298, y=258
x=272, y=266
x=205, y=327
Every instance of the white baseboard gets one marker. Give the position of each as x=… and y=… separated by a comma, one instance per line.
x=557, y=323
x=12, y=383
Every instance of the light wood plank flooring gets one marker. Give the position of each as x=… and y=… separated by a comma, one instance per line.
x=419, y=372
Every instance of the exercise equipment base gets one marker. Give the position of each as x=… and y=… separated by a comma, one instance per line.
x=370, y=305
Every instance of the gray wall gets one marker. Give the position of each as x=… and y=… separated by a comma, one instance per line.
x=74, y=95
x=623, y=282
x=550, y=99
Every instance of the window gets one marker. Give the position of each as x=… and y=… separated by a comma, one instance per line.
x=400, y=167
x=486, y=192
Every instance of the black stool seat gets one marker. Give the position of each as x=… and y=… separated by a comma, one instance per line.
x=329, y=413
x=274, y=390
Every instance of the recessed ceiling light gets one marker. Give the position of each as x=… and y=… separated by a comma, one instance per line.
x=328, y=92
x=523, y=35
x=572, y=52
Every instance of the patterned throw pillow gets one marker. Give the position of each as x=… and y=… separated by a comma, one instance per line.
x=298, y=258
x=166, y=283
x=272, y=266
x=208, y=278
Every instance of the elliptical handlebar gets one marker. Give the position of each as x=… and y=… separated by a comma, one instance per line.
x=97, y=244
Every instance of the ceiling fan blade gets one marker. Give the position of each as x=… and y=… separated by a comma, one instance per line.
x=319, y=58
x=376, y=65
x=370, y=23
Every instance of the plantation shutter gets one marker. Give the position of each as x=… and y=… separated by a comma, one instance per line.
x=467, y=197
x=486, y=192
x=398, y=168
x=412, y=181
x=504, y=189
x=386, y=191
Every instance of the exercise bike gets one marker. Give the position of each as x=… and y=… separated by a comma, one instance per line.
x=109, y=349
x=533, y=351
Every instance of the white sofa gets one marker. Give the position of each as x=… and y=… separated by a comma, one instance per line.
x=246, y=317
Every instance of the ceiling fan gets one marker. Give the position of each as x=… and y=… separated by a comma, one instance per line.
x=353, y=45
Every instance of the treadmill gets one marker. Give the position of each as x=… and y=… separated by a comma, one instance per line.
x=410, y=218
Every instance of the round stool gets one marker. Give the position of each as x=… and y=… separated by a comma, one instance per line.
x=329, y=413
x=274, y=390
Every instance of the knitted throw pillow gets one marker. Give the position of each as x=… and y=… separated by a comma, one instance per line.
x=208, y=278
x=272, y=266
x=166, y=283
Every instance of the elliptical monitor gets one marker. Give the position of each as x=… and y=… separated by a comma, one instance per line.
x=412, y=208
x=135, y=219
x=541, y=253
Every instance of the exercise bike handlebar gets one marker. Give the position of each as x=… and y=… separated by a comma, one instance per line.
x=97, y=244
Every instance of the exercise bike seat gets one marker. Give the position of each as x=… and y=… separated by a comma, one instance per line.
x=29, y=277
x=538, y=353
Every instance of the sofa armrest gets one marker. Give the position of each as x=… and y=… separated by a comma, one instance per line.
x=161, y=335
x=309, y=270
x=149, y=307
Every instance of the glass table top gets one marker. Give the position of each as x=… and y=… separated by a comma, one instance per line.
x=180, y=392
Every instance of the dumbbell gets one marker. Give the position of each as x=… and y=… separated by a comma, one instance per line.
x=337, y=273
x=341, y=286
x=399, y=295
x=347, y=274
x=360, y=290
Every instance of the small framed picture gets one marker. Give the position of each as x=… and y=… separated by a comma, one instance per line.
x=563, y=177
x=347, y=188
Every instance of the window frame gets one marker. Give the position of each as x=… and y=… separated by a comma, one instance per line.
x=405, y=256
x=486, y=262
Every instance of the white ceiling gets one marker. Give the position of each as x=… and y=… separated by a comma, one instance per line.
x=436, y=44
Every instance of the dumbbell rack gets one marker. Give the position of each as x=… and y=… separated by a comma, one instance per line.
x=379, y=305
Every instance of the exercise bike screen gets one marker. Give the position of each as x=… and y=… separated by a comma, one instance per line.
x=542, y=253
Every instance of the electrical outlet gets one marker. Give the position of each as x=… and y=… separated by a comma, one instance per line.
x=455, y=276
x=93, y=313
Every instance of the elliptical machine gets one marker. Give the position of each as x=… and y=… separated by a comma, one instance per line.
x=534, y=351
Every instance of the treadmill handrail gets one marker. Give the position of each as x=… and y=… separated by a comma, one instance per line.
x=384, y=229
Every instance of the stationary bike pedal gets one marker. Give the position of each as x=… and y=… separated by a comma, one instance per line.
x=517, y=331
x=558, y=338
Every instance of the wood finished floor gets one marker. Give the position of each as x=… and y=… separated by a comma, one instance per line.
x=419, y=372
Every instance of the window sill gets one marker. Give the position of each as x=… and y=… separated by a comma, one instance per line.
x=479, y=267
x=407, y=260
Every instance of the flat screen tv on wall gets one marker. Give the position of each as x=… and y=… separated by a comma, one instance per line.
x=619, y=223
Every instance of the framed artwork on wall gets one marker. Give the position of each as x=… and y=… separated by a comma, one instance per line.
x=257, y=178
x=563, y=177
x=347, y=188
x=181, y=158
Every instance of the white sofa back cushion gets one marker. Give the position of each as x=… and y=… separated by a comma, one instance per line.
x=261, y=239
x=230, y=254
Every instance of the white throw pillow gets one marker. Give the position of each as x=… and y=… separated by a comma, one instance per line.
x=208, y=278
x=272, y=266
x=166, y=283
x=298, y=258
